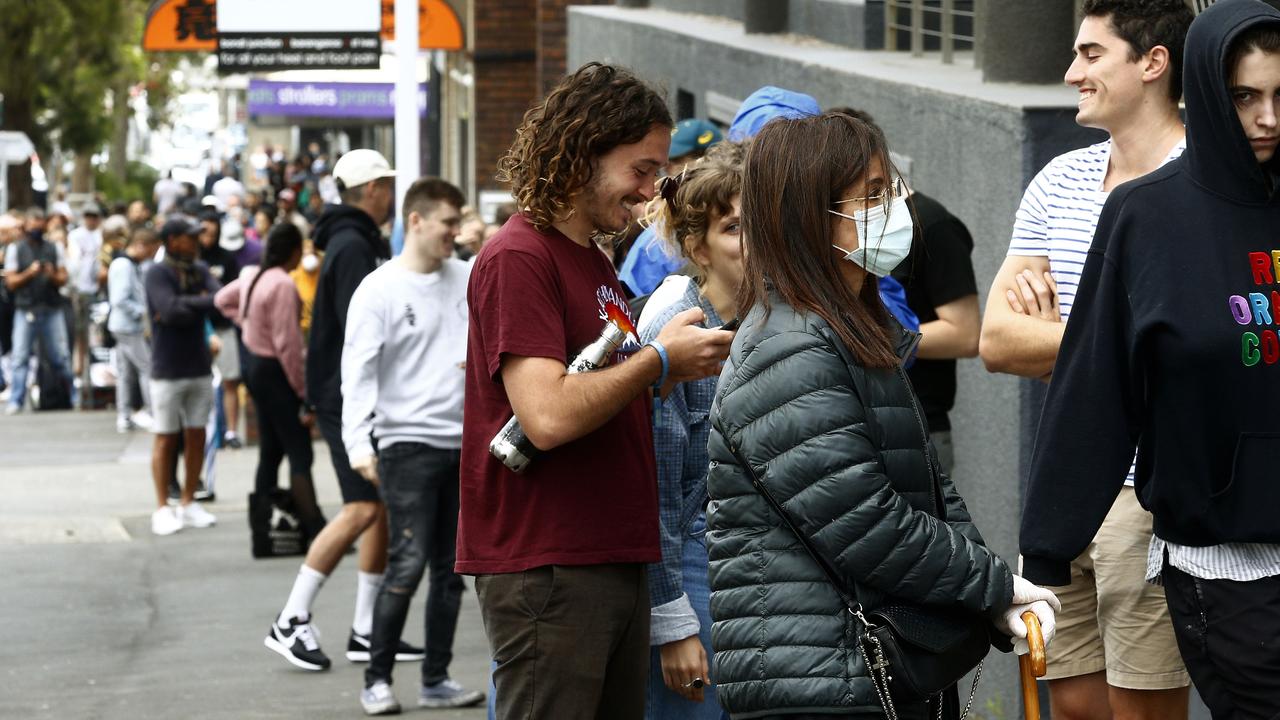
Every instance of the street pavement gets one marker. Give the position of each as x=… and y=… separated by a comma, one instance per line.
x=101, y=619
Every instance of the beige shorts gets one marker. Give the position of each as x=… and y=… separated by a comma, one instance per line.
x=1111, y=618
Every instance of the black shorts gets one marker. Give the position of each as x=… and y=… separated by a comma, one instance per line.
x=354, y=487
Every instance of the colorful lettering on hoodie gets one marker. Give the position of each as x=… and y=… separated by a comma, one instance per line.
x=1260, y=309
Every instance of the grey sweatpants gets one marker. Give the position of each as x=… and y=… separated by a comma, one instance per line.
x=133, y=369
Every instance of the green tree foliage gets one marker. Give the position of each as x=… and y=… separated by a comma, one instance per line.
x=61, y=63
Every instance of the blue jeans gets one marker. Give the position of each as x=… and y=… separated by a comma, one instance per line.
x=420, y=489
x=662, y=703
x=46, y=324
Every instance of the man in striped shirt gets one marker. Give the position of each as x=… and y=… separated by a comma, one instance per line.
x=1115, y=654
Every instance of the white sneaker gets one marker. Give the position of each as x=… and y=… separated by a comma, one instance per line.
x=195, y=516
x=165, y=521
x=143, y=419
x=124, y=425
x=379, y=700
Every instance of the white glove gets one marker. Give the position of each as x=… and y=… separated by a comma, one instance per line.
x=1038, y=600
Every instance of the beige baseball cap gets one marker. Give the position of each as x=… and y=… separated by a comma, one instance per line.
x=362, y=166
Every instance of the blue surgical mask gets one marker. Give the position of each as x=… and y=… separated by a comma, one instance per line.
x=884, y=237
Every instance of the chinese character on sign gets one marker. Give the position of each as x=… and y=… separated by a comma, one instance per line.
x=197, y=18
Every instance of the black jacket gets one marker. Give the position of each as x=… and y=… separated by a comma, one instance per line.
x=353, y=247
x=845, y=451
x=1172, y=345
x=179, y=348
x=224, y=268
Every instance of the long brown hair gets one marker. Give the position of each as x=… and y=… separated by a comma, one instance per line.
x=589, y=113
x=795, y=171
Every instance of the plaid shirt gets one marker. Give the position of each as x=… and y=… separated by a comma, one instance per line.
x=680, y=445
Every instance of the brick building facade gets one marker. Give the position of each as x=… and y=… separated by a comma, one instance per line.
x=518, y=54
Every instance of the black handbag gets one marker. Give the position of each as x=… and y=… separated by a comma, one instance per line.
x=275, y=527
x=913, y=653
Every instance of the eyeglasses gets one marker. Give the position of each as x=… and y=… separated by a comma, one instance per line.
x=895, y=190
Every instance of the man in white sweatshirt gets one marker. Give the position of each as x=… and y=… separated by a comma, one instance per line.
x=403, y=364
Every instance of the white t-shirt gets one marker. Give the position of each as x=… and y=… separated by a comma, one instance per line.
x=1059, y=214
x=404, y=358
x=82, y=263
x=166, y=193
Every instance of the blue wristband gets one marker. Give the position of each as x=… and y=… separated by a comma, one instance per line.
x=666, y=362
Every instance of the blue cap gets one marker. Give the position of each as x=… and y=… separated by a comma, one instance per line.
x=769, y=103
x=693, y=135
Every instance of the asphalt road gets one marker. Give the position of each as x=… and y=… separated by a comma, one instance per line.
x=101, y=619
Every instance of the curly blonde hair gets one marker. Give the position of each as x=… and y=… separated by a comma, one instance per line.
x=590, y=112
x=706, y=188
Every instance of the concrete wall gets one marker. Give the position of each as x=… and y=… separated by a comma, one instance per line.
x=972, y=145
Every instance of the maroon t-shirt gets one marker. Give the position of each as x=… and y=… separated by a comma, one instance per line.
x=588, y=502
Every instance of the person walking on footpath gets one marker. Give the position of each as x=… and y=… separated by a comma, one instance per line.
x=179, y=292
x=403, y=369
x=1172, y=349
x=350, y=236
x=34, y=270
x=560, y=551
x=126, y=291
x=1115, y=655
x=701, y=220
x=264, y=304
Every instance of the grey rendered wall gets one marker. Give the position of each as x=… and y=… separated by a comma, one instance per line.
x=974, y=147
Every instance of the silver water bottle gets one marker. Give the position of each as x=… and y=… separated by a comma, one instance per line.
x=511, y=445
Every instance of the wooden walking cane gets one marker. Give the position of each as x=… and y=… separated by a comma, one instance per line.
x=1032, y=666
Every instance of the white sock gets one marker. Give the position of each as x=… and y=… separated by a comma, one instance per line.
x=303, y=594
x=367, y=585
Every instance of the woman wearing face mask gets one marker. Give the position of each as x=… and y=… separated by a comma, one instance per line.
x=264, y=303
x=813, y=397
x=699, y=212
x=1172, y=348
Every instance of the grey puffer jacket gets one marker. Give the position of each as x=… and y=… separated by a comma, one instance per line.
x=843, y=448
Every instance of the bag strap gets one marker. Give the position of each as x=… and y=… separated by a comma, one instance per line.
x=850, y=602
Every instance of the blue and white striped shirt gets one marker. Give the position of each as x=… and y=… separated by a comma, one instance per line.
x=1059, y=214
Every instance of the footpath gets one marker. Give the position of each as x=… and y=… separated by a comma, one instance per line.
x=101, y=619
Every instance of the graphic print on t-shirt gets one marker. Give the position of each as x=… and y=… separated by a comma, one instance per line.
x=1261, y=309
x=614, y=307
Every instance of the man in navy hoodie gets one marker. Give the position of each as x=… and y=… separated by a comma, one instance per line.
x=351, y=238
x=1172, y=348
x=179, y=293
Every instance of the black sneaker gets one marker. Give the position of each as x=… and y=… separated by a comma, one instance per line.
x=358, y=647
x=297, y=644
x=231, y=441
x=204, y=494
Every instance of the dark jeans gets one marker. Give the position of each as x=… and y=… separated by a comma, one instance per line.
x=1229, y=636
x=281, y=434
x=280, y=431
x=571, y=642
x=420, y=490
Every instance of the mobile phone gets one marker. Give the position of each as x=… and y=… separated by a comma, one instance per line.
x=730, y=326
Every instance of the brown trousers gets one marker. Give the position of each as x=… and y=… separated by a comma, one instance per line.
x=570, y=642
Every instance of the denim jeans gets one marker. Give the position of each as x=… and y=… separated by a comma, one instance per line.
x=420, y=490
x=662, y=703
x=46, y=324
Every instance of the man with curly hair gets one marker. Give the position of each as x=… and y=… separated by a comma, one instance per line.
x=559, y=551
